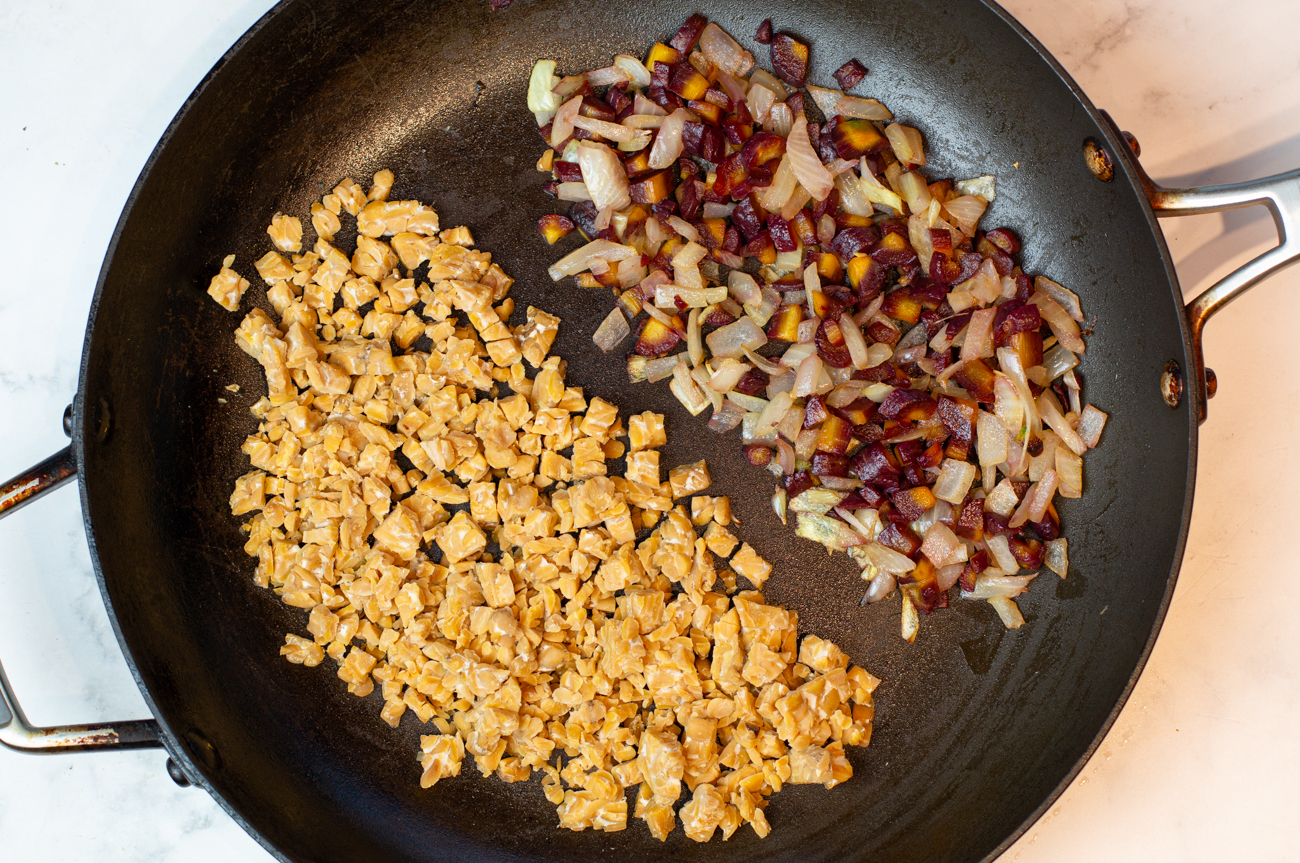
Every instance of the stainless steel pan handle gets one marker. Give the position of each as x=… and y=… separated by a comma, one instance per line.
x=1280, y=193
x=15, y=731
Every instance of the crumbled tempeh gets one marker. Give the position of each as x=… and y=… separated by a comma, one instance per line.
x=688, y=479
x=496, y=589
x=227, y=287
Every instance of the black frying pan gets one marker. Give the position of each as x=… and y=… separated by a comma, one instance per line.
x=978, y=728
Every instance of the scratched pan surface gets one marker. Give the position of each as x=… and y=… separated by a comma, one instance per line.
x=977, y=728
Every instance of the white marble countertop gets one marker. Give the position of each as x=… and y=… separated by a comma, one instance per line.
x=1202, y=764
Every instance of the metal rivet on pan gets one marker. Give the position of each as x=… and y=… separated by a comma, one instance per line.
x=103, y=420
x=1098, y=159
x=67, y=421
x=1133, y=143
x=178, y=776
x=1211, y=383
x=1171, y=384
x=203, y=750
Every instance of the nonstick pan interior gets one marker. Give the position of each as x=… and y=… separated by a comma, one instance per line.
x=976, y=726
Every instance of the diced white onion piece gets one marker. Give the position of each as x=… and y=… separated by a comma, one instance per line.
x=1008, y=611
x=636, y=71
x=644, y=106
x=683, y=386
x=608, y=75
x=611, y=331
x=986, y=285
x=605, y=176
x=878, y=392
x=906, y=143
x=760, y=101
x=876, y=192
x=1063, y=326
x=1091, y=422
x=1050, y=410
x=773, y=197
x=604, y=128
x=733, y=339
x=985, y=187
x=727, y=376
x=1066, y=298
x=643, y=121
x=542, y=101
x=878, y=353
x=685, y=229
x=1009, y=363
x=772, y=414
x=751, y=404
x=726, y=417
x=852, y=199
x=989, y=586
x=915, y=191
x=797, y=353
x=955, y=478
x=860, y=108
x=723, y=51
x=990, y=440
x=889, y=560
x=939, y=543
x=855, y=342
x=1058, y=361
x=562, y=124
x=686, y=265
x=807, y=167
x=630, y=272
x=830, y=532
x=1002, y=500
x=779, y=119
x=825, y=99
x=911, y=621
x=999, y=548
x=1034, y=506
x=668, y=141
x=717, y=211
x=763, y=311
x=743, y=287
x=1057, y=557
x=806, y=379
x=966, y=211
x=979, y=335
x=580, y=259
x=572, y=192
x=1007, y=406
x=946, y=576
x=1069, y=467
x=792, y=208
x=694, y=346
x=846, y=393
x=1046, y=459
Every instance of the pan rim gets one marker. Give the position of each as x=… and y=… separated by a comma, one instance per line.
x=173, y=742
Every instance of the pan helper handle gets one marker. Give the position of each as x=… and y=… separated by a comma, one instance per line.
x=15, y=731
x=1280, y=193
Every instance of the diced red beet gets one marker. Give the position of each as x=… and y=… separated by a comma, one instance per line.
x=885, y=333
x=583, y=214
x=703, y=140
x=763, y=35
x=689, y=33
x=825, y=144
x=714, y=96
x=912, y=503
x=746, y=218
x=850, y=74
x=831, y=345
x=664, y=209
x=596, y=109
x=827, y=464
x=757, y=455
x=782, y=236
x=692, y=199
x=1028, y=553
x=795, y=102
x=1013, y=317
x=900, y=538
x=789, y=59
x=731, y=242
x=617, y=98
x=498, y=5
x=969, y=523
x=552, y=188
x=730, y=174
x=1004, y=239
x=900, y=402
x=1024, y=287
x=852, y=241
x=736, y=132
x=829, y=204
x=798, y=482
x=869, y=433
x=873, y=466
x=753, y=382
x=663, y=97
x=996, y=525
x=567, y=172
x=814, y=412
x=761, y=247
x=654, y=339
